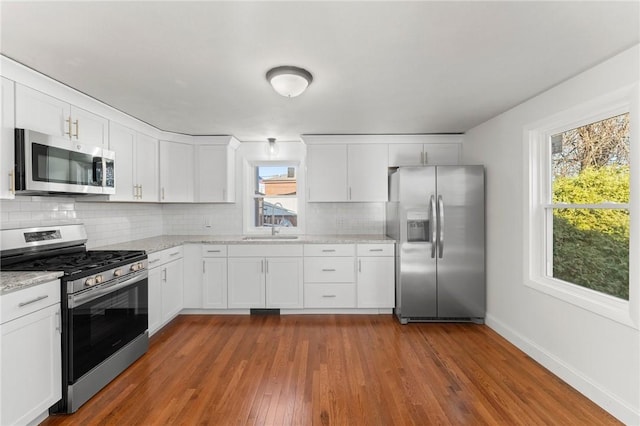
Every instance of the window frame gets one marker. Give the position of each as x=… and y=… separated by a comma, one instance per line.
x=538, y=208
x=249, y=227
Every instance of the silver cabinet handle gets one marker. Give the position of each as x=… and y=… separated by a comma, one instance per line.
x=432, y=223
x=349, y=193
x=375, y=249
x=328, y=295
x=28, y=302
x=141, y=192
x=174, y=254
x=262, y=266
x=162, y=193
x=328, y=251
x=266, y=266
x=328, y=270
x=77, y=135
x=213, y=251
x=68, y=132
x=203, y=267
x=359, y=265
x=164, y=275
x=441, y=225
x=12, y=181
x=153, y=261
x=422, y=158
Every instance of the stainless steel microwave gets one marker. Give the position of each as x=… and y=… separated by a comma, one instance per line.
x=48, y=164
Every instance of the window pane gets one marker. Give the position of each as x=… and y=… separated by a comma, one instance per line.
x=591, y=249
x=591, y=163
x=276, y=203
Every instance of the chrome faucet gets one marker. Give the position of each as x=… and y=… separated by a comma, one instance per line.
x=274, y=231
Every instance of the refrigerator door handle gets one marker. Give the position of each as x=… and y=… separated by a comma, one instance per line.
x=441, y=225
x=432, y=223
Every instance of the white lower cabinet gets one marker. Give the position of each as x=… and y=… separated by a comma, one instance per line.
x=265, y=276
x=31, y=353
x=165, y=287
x=376, y=275
x=329, y=276
x=214, y=277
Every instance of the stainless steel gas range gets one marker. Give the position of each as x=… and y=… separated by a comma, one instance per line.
x=104, y=304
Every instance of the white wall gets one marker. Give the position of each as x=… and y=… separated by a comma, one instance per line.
x=598, y=356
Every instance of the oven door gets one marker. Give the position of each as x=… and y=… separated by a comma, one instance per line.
x=102, y=320
x=51, y=164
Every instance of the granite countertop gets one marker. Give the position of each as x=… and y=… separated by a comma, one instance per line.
x=11, y=281
x=154, y=244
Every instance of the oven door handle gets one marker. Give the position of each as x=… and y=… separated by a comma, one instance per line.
x=77, y=300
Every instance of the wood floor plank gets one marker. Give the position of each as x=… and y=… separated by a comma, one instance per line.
x=333, y=370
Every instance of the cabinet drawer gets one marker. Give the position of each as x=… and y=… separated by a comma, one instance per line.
x=330, y=296
x=28, y=300
x=161, y=257
x=329, y=250
x=214, y=250
x=376, y=249
x=329, y=270
x=264, y=250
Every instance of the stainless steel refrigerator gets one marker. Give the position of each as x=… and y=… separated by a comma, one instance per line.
x=436, y=215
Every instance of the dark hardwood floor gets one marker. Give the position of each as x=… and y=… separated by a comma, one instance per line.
x=333, y=370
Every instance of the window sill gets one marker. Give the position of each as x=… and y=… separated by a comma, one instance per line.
x=609, y=307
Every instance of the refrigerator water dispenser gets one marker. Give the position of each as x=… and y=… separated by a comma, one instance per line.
x=418, y=227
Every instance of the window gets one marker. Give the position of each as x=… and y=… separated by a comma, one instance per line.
x=275, y=196
x=578, y=216
x=587, y=214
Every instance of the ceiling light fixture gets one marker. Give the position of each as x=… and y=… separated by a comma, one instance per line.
x=289, y=81
x=272, y=148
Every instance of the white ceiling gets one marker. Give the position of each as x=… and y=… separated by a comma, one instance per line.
x=378, y=67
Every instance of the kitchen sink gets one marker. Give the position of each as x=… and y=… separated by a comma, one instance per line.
x=269, y=237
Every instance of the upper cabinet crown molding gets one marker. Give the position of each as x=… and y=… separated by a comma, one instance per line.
x=383, y=139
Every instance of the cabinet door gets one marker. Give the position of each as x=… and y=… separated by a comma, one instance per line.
x=214, y=283
x=327, y=173
x=172, y=289
x=88, y=128
x=192, y=277
x=122, y=141
x=284, y=282
x=31, y=366
x=155, y=298
x=42, y=113
x=376, y=282
x=368, y=174
x=405, y=154
x=7, y=172
x=146, y=168
x=245, y=287
x=211, y=173
x=176, y=172
x=442, y=154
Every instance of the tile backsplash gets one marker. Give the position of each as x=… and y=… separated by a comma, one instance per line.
x=112, y=223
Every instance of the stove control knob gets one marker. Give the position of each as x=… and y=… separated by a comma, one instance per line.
x=135, y=267
x=140, y=265
x=89, y=282
x=117, y=272
x=99, y=279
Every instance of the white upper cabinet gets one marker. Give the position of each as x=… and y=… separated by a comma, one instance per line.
x=176, y=172
x=136, y=164
x=346, y=172
x=367, y=172
x=215, y=171
x=146, y=170
x=327, y=173
x=425, y=150
x=7, y=172
x=46, y=114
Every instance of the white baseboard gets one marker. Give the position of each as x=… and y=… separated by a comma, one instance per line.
x=618, y=408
